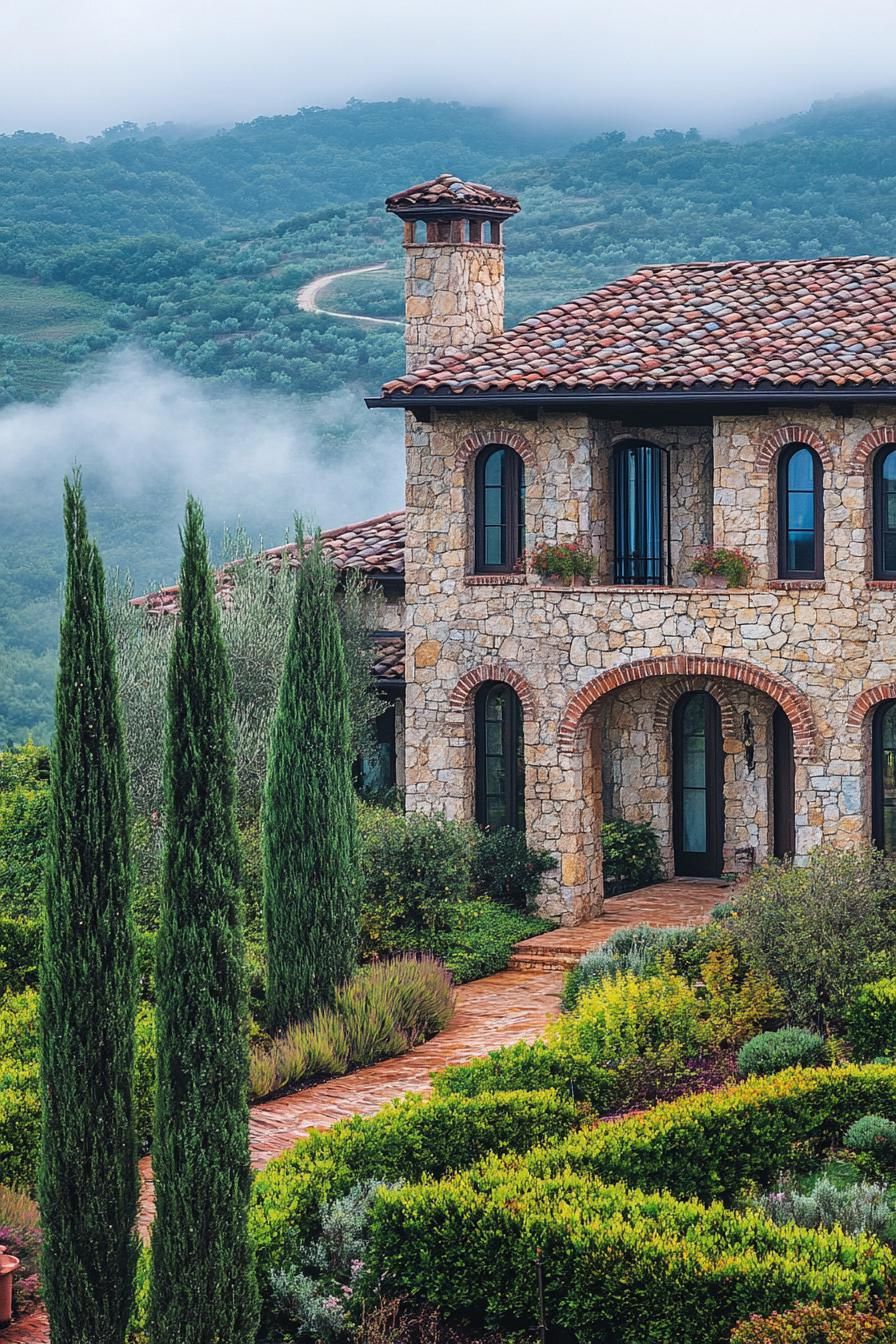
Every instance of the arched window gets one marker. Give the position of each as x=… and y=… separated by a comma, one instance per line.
x=885, y=513
x=641, y=491
x=800, y=514
x=500, y=510
x=883, y=782
x=499, y=757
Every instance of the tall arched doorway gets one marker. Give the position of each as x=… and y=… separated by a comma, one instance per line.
x=698, y=805
x=783, y=790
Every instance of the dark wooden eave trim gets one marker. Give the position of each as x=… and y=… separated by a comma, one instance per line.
x=708, y=401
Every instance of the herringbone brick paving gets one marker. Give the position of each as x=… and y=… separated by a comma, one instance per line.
x=514, y=1005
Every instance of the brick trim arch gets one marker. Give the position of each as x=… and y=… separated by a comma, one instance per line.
x=794, y=703
x=669, y=695
x=868, y=446
x=511, y=438
x=470, y=682
x=773, y=443
x=870, y=698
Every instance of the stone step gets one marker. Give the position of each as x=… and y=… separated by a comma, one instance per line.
x=554, y=962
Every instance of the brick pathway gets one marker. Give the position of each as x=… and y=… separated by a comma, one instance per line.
x=514, y=1005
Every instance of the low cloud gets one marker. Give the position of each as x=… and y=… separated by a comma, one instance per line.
x=144, y=435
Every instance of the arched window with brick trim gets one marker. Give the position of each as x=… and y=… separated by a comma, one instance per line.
x=500, y=779
x=500, y=514
x=800, y=514
x=884, y=516
x=883, y=782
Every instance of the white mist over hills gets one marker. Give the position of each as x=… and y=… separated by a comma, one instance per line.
x=144, y=435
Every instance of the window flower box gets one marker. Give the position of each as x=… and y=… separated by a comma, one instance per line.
x=568, y=563
x=721, y=567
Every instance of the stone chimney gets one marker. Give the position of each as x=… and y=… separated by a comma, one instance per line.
x=454, y=265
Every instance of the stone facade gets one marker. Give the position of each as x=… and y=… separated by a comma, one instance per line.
x=823, y=642
x=598, y=668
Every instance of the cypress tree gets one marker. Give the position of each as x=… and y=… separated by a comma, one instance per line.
x=203, y=1288
x=309, y=820
x=87, y=1178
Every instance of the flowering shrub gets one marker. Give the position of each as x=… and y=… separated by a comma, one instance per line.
x=734, y=566
x=562, y=560
x=815, y=1323
x=856, y=1208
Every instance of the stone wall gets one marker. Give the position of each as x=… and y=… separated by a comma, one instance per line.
x=813, y=647
x=454, y=297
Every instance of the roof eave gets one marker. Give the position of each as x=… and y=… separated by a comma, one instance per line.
x=624, y=398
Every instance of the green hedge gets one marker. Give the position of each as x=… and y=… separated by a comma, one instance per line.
x=405, y=1141
x=619, y=1264
x=530, y=1068
x=710, y=1145
x=871, y=1019
x=19, y=1123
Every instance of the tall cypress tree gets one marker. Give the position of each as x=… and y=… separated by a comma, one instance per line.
x=310, y=888
x=203, y=1287
x=87, y=1180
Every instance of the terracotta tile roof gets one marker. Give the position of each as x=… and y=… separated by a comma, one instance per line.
x=448, y=190
x=745, y=324
x=388, y=656
x=376, y=547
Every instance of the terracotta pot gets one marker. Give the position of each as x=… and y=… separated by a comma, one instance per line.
x=712, y=581
x=8, y=1265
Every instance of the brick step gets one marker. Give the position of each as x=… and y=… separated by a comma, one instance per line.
x=557, y=962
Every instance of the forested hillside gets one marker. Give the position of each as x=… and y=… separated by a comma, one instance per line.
x=192, y=247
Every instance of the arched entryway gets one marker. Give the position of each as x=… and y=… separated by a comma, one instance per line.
x=783, y=787
x=698, y=802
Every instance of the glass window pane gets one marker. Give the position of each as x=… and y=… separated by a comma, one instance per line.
x=494, y=468
x=494, y=739
x=496, y=813
x=492, y=505
x=801, y=552
x=494, y=546
x=888, y=728
x=889, y=551
x=801, y=513
x=693, y=821
x=888, y=466
x=801, y=470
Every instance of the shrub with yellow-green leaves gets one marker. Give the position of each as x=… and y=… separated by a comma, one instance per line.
x=405, y=1141
x=712, y=1144
x=619, y=1263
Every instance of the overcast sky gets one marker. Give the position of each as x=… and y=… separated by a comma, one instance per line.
x=77, y=66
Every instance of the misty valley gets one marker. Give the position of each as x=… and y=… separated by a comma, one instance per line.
x=149, y=328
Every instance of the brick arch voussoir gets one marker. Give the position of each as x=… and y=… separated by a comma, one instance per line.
x=794, y=703
x=869, y=699
x=670, y=694
x=773, y=443
x=868, y=446
x=482, y=438
x=470, y=682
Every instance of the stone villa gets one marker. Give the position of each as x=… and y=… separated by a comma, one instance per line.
x=749, y=406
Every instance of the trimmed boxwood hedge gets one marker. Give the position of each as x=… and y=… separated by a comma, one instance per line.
x=711, y=1144
x=619, y=1264
x=405, y=1141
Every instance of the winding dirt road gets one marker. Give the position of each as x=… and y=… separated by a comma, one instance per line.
x=307, y=297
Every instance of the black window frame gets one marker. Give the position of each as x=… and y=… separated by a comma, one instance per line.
x=877, y=775
x=513, y=793
x=638, y=567
x=784, y=570
x=878, y=525
x=513, y=510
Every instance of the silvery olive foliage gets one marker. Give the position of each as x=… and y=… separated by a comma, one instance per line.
x=255, y=612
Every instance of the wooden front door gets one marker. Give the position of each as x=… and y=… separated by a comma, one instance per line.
x=697, y=779
x=783, y=786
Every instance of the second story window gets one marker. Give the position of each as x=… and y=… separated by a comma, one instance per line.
x=641, y=512
x=800, y=514
x=500, y=510
x=885, y=513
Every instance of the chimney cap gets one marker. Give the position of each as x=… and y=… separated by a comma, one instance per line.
x=448, y=197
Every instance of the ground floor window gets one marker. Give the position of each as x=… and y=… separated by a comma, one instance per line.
x=883, y=768
x=375, y=769
x=697, y=779
x=499, y=757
